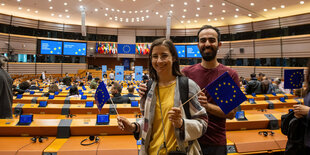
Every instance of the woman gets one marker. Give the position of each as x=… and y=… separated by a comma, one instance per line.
x=74, y=91
x=304, y=111
x=163, y=120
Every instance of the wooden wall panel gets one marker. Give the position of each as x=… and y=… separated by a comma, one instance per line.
x=142, y=32
x=296, y=46
x=91, y=29
x=244, y=71
x=191, y=32
x=268, y=48
x=50, y=68
x=266, y=24
x=223, y=50
x=177, y=32
x=247, y=48
x=23, y=45
x=51, y=26
x=107, y=31
x=3, y=41
x=295, y=20
x=24, y=22
x=5, y=19
x=72, y=28
x=21, y=68
x=72, y=68
x=240, y=28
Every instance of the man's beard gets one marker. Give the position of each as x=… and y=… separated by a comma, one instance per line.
x=209, y=56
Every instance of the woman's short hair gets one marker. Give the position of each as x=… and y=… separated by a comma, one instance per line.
x=175, y=65
x=73, y=91
x=53, y=88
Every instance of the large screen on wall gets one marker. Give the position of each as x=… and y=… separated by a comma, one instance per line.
x=180, y=50
x=50, y=47
x=75, y=48
x=192, y=51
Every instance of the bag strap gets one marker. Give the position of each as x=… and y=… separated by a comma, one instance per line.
x=183, y=89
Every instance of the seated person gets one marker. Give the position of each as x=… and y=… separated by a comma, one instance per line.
x=24, y=85
x=94, y=83
x=53, y=88
x=253, y=86
x=33, y=86
x=67, y=80
x=131, y=90
x=116, y=91
x=74, y=92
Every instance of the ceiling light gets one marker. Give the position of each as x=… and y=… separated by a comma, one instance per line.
x=2, y=4
x=172, y=5
x=66, y=10
x=81, y=6
x=49, y=0
x=80, y=0
x=52, y=14
x=211, y=6
x=171, y=11
x=236, y=16
x=110, y=18
x=112, y=9
x=60, y=16
x=117, y=10
x=195, y=21
x=185, y=3
x=141, y=11
x=198, y=1
x=237, y=9
x=282, y=6
x=222, y=18
x=265, y=10
x=147, y=16
x=36, y=11
x=273, y=8
x=18, y=0
x=124, y=11
x=96, y=9
x=19, y=8
x=132, y=19
x=301, y=2
x=65, y=3
x=223, y=11
x=210, y=13
x=209, y=20
x=184, y=10
x=252, y=4
x=115, y=19
x=28, y=10
x=121, y=19
x=223, y=4
x=156, y=13
x=182, y=21
x=107, y=9
x=161, y=16
x=158, y=0
x=106, y=14
x=136, y=11
x=134, y=0
x=130, y=11
x=188, y=21
x=197, y=15
x=215, y=19
x=51, y=7
x=146, y=11
x=126, y=19
x=249, y=15
x=198, y=8
x=183, y=16
x=68, y=16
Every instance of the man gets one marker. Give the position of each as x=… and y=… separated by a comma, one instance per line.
x=67, y=80
x=33, y=86
x=213, y=142
x=253, y=86
x=6, y=94
x=94, y=83
x=116, y=91
x=43, y=76
x=131, y=90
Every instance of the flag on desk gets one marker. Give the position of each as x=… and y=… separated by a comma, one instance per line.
x=102, y=95
x=226, y=93
x=293, y=78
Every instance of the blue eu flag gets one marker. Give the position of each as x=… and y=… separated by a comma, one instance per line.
x=102, y=95
x=293, y=78
x=226, y=93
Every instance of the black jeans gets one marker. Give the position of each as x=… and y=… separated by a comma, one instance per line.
x=213, y=150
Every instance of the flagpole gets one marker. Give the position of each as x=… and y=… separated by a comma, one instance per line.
x=114, y=107
x=191, y=98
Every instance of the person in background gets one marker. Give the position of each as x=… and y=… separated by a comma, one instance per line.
x=105, y=79
x=43, y=76
x=145, y=78
x=53, y=88
x=116, y=91
x=33, y=86
x=74, y=91
x=67, y=80
x=94, y=83
x=90, y=77
x=164, y=120
x=111, y=76
x=253, y=86
x=6, y=93
x=131, y=91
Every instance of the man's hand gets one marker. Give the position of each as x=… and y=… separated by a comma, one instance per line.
x=142, y=89
x=301, y=110
x=203, y=100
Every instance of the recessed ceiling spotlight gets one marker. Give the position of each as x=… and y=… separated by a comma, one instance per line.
x=110, y=18
x=2, y=4
x=223, y=4
x=158, y=0
x=68, y=16
x=136, y=11
x=171, y=11
x=66, y=10
x=112, y=10
x=65, y=3
x=133, y=0
x=184, y=10
x=249, y=15
x=222, y=18
x=252, y=4
x=223, y=11
x=121, y=19
x=19, y=8
x=80, y=0
x=198, y=1
x=156, y=13
x=210, y=13
x=126, y=19
x=183, y=16
x=209, y=20
x=81, y=6
x=106, y=14
x=52, y=14
x=117, y=10
x=237, y=9
x=211, y=6
x=130, y=11
x=282, y=6
x=215, y=19
x=51, y=7
x=273, y=8
x=124, y=11
x=188, y=21
x=265, y=10
x=301, y=2
x=49, y=0
x=185, y=3
x=28, y=10
x=141, y=11
x=182, y=21
x=107, y=9
x=198, y=8
x=18, y=0
x=36, y=11
x=236, y=16
x=172, y=5
x=195, y=21
x=147, y=16
x=161, y=16
x=146, y=11
x=60, y=16
x=197, y=15
x=96, y=9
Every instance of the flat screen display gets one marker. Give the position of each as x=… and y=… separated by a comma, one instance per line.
x=74, y=48
x=51, y=47
x=180, y=50
x=193, y=51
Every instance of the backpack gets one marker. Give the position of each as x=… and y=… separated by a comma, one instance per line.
x=183, y=90
x=294, y=128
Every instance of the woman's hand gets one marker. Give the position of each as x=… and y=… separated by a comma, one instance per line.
x=124, y=124
x=142, y=89
x=175, y=117
x=301, y=110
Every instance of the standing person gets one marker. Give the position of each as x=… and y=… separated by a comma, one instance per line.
x=111, y=76
x=43, y=76
x=6, y=93
x=164, y=121
x=213, y=142
x=303, y=111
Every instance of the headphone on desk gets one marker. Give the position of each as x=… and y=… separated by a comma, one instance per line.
x=39, y=138
x=91, y=138
x=266, y=133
